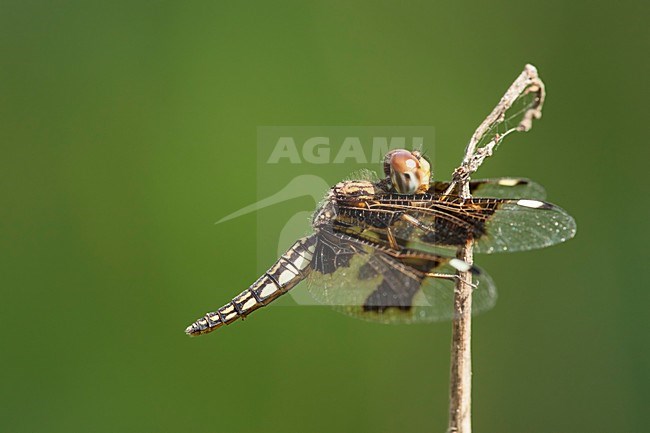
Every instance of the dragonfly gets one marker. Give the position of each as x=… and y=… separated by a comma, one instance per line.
x=384, y=249
x=377, y=251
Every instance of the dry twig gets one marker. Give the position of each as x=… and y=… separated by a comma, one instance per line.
x=528, y=88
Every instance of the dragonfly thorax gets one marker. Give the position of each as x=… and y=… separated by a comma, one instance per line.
x=359, y=190
x=326, y=212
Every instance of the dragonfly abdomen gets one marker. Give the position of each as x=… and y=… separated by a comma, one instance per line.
x=290, y=269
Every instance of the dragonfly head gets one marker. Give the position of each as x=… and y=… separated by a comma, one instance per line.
x=409, y=171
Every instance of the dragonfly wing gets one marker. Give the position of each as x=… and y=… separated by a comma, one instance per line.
x=496, y=225
x=362, y=281
x=503, y=187
x=520, y=225
x=426, y=221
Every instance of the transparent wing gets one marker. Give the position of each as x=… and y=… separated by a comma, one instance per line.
x=525, y=225
x=365, y=282
x=503, y=187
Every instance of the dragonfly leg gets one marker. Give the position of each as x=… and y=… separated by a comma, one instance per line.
x=391, y=240
x=454, y=277
x=443, y=276
x=417, y=223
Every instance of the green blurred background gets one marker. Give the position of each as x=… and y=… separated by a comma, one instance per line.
x=128, y=128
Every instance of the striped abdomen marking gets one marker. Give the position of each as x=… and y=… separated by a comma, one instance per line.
x=290, y=269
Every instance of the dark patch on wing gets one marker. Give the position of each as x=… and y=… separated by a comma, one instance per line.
x=447, y=231
x=402, y=278
x=332, y=253
x=445, y=221
x=454, y=220
x=385, y=297
x=366, y=272
x=371, y=218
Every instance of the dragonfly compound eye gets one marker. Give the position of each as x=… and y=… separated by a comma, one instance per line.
x=409, y=172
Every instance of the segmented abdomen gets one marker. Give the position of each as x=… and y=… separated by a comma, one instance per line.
x=291, y=268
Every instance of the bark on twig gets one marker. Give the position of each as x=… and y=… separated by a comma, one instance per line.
x=488, y=135
x=527, y=83
x=460, y=395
